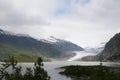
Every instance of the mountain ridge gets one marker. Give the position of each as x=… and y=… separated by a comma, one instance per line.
x=111, y=51
x=63, y=44
x=11, y=43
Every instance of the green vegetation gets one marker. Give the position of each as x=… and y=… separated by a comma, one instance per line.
x=37, y=73
x=25, y=58
x=14, y=45
x=20, y=55
x=91, y=72
x=17, y=44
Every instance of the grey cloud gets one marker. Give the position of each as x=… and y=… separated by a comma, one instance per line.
x=106, y=12
x=109, y=13
x=11, y=17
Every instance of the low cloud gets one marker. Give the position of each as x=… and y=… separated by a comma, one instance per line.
x=9, y=16
x=84, y=22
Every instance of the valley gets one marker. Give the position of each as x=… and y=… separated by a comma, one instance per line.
x=59, y=39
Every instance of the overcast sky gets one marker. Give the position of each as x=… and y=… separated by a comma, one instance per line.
x=84, y=22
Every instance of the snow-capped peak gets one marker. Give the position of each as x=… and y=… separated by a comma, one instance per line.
x=1, y=31
x=96, y=49
x=50, y=39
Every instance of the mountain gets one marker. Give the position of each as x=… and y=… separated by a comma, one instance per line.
x=111, y=51
x=97, y=49
x=26, y=48
x=22, y=45
x=63, y=44
x=66, y=46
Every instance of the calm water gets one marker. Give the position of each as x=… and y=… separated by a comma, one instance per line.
x=52, y=70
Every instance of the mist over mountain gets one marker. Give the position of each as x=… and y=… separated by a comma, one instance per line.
x=24, y=46
x=111, y=51
x=97, y=49
x=63, y=44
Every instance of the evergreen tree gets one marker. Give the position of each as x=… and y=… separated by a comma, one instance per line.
x=38, y=73
x=29, y=74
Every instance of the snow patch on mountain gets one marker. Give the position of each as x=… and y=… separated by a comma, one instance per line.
x=96, y=49
x=1, y=31
x=50, y=39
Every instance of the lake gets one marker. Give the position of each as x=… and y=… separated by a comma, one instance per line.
x=52, y=70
